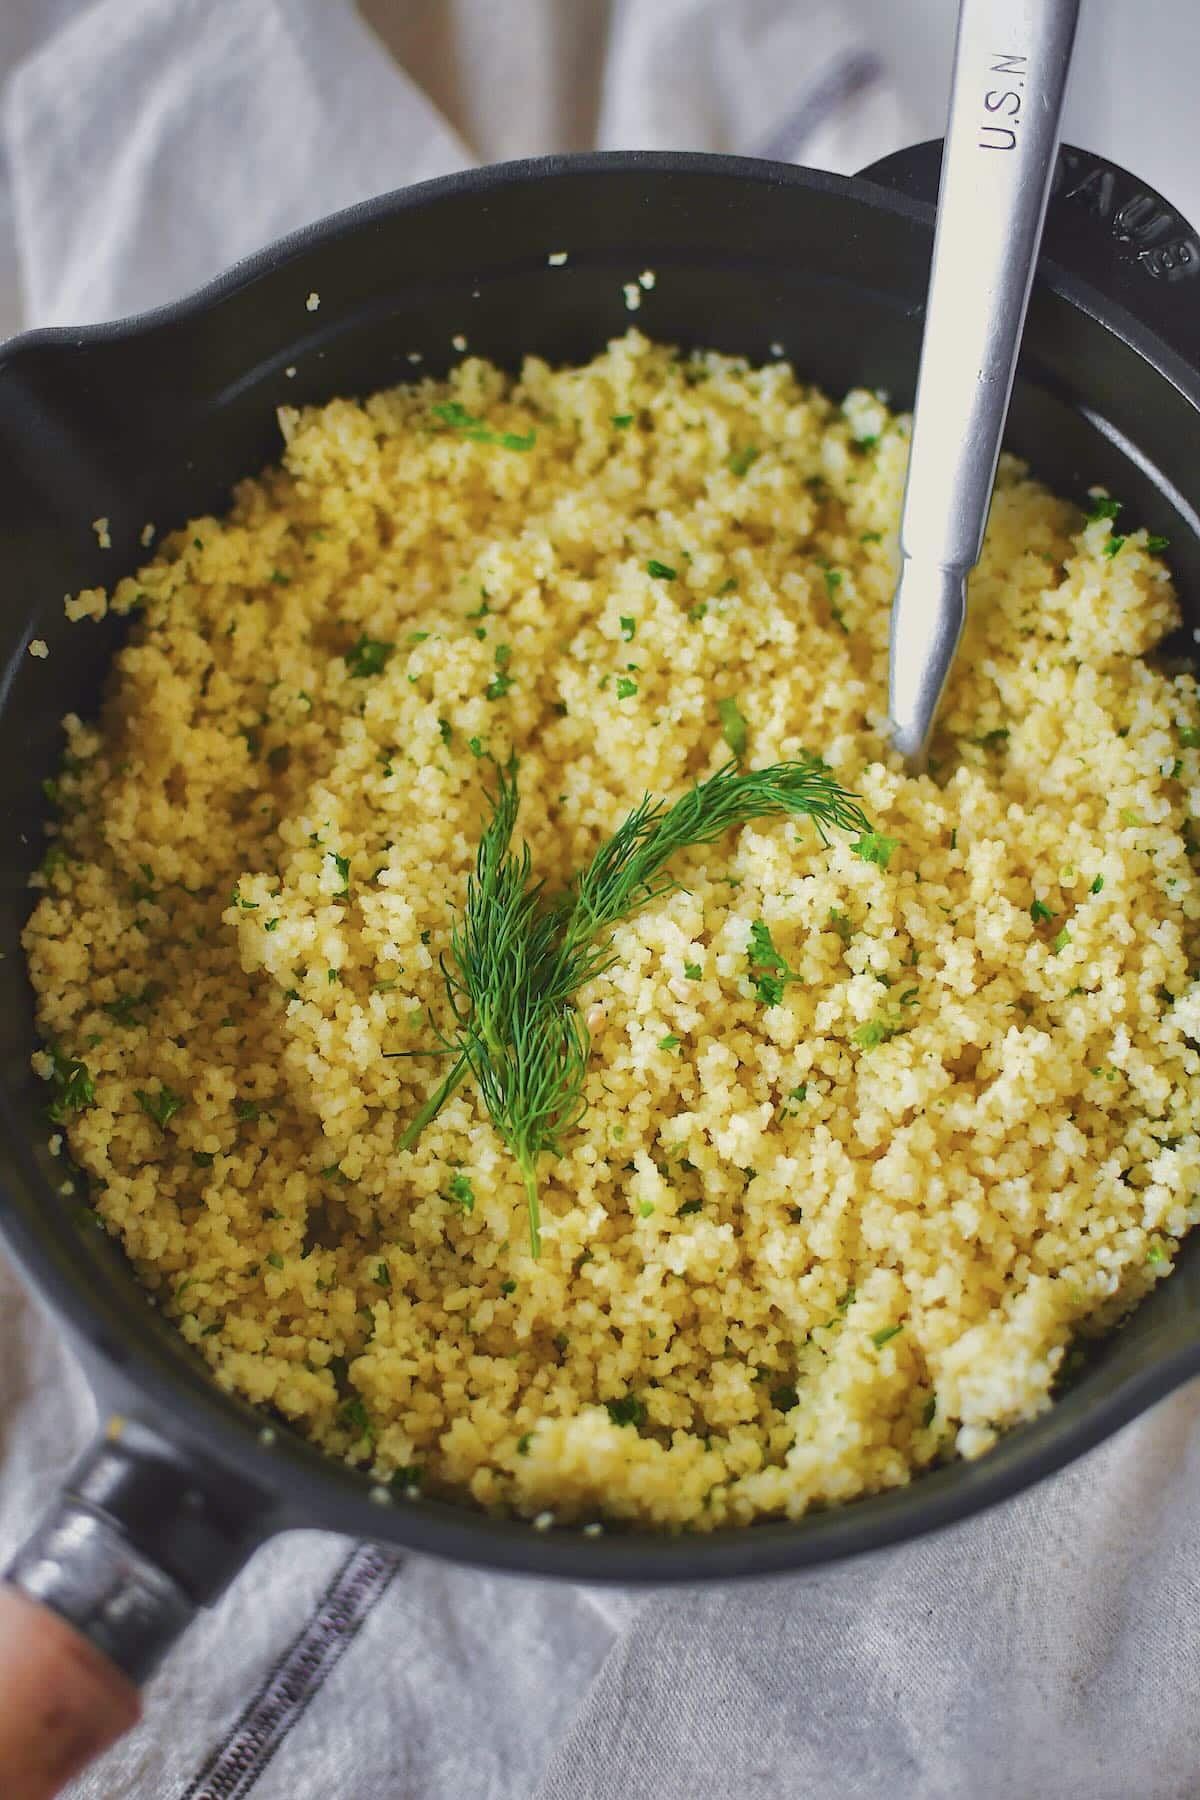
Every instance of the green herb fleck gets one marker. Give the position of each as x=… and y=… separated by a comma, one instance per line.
x=873, y=847
x=629, y=1410
x=885, y=1336
x=1039, y=911
x=462, y=1194
x=160, y=1107
x=622, y=421
x=739, y=462
x=733, y=726
x=875, y=1032
x=368, y=656
x=74, y=1088
x=661, y=571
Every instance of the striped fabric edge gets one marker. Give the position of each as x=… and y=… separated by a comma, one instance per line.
x=298, y=1676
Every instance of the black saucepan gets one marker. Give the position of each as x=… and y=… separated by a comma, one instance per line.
x=155, y=418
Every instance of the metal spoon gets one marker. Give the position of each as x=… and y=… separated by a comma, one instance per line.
x=1010, y=73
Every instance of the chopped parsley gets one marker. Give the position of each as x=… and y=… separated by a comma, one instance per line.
x=875, y=1032
x=1039, y=911
x=733, y=726
x=670, y=1042
x=125, y=1009
x=739, y=462
x=1114, y=544
x=462, y=1194
x=523, y=1443
x=661, y=571
x=368, y=656
x=1103, y=508
x=508, y=1287
x=354, y=1414
x=873, y=847
x=446, y=730
x=622, y=421
x=692, y=971
x=455, y=417
x=275, y=1260
x=1096, y=885
x=768, y=970
x=626, y=687
x=502, y=680
x=1156, y=1254
x=689, y=1206
x=1189, y=736
x=383, y=1276
x=628, y=628
x=1061, y=941
x=870, y=537
x=885, y=1336
x=74, y=1088
x=841, y=924
x=629, y=1410
x=342, y=865
x=1155, y=542
x=160, y=1107
x=203, y=1159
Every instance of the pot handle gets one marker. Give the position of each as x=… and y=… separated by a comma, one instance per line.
x=141, y=1536
x=1103, y=226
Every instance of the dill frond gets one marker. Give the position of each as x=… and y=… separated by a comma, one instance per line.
x=518, y=959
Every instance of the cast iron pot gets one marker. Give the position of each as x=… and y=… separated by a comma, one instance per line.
x=155, y=418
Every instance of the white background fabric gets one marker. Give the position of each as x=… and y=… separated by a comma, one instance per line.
x=1049, y=1648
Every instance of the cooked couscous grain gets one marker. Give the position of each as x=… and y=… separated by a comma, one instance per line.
x=872, y=1131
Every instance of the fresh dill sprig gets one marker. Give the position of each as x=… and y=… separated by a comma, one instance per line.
x=519, y=958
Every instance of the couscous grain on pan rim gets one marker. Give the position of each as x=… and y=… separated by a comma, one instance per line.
x=799, y=1247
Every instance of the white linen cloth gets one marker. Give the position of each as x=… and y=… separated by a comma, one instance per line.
x=1048, y=1648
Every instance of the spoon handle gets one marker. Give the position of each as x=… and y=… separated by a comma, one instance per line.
x=1010, y=72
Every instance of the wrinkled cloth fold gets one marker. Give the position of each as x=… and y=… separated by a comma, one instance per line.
x=1047, y=1648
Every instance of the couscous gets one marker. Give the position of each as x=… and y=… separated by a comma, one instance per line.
x=872, y=1130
